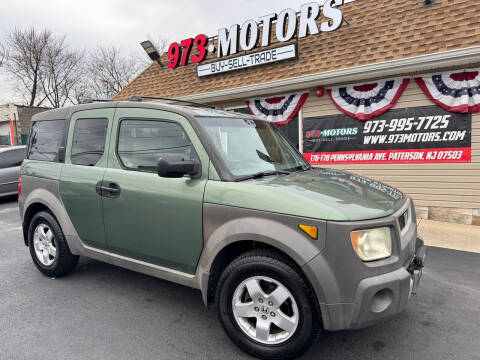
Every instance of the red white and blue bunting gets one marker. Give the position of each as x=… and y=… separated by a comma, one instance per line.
x=365, y=101
x=455, y=91
x=279, y=109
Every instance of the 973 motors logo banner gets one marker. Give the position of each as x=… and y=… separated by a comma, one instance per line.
x=413, y=135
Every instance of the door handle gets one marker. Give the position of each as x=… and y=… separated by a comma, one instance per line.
x=108, y=189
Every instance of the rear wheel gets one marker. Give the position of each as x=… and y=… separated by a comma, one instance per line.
x=266, y=307
x=48, y=248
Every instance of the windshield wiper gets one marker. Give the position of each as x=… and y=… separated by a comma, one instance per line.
x=262, y=174
x=265, y=157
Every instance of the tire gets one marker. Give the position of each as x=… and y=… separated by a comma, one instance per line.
x=272, y=272
x=59, y=261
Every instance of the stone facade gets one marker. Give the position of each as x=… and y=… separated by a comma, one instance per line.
x=449, y=214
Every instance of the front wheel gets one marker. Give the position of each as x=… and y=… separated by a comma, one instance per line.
x=266, y=307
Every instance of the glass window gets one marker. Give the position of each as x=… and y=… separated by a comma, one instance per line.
x=12, y=157
x=45, y=140
x=142, y=142
x=290, y=130
x=88, y=143
x=251, y=146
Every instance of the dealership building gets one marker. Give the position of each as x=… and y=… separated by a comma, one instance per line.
x=386, y=89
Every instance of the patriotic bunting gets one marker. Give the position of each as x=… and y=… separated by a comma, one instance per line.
x=279, y=109
x=455, y=91
x=365, y=101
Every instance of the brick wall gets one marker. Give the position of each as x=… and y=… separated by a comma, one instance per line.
x=25, y=114
x=22, y=115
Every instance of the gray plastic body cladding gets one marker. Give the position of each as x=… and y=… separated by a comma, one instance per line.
x=37, y=190
x=224, y=225
x=345, y=285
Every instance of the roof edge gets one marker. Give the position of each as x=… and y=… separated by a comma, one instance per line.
x=418, y=63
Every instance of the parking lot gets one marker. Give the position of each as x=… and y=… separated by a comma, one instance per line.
x=104, y=312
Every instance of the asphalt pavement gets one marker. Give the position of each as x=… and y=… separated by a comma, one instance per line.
x=104, y=312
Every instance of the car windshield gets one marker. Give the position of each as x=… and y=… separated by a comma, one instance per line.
x=251, y=147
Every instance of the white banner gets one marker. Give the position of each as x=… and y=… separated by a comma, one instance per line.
x=250, y=60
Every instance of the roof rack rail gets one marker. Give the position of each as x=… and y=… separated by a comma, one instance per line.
x=140, y=98
x=89, y=100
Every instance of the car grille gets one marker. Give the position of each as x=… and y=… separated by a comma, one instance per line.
x=403, y=219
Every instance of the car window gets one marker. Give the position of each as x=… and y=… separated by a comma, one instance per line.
x=142, y=142
x=249, y=146
x=45, y=140
x=11, y=157
x=88, y=144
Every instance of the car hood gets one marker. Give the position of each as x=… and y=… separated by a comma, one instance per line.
x=317, y=193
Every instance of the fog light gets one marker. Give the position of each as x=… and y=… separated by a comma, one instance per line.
x=381, y=301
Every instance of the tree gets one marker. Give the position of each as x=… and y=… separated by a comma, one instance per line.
x=24, y=54
x=60, y=73
x=3, y=54
x=42, y=66
x=109, y=71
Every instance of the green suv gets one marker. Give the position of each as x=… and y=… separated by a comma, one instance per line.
x=220, y=202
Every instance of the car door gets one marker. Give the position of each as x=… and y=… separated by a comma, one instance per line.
x=10, y=161
x=85, y=164
x=150, y=218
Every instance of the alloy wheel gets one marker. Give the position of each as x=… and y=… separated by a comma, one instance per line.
x=44, y=244
x=265, y=310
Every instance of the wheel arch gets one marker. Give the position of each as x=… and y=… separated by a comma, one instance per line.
x=42, y=199
x=30, y=212
x=226, y=254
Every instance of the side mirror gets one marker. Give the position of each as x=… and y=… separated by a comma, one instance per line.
x=175, y=166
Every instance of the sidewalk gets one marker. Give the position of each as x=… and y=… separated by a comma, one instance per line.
x=450, y=235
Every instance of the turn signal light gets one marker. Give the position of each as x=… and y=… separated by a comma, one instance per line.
x=19, y=184
x=311, y=231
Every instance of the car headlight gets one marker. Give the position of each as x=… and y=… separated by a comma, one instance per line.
x=372, y=244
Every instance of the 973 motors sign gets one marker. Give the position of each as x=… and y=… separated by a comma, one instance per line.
x=414, y=135
x=285, y=26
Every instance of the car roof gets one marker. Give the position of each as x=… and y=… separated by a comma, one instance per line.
x=12, y=148
x=197, y=111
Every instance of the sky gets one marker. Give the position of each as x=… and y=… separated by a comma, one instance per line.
x=125, y=23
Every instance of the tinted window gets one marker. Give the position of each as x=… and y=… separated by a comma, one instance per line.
x=45, y=139
x=11, y=157
x=142, y=142
x=88, y=142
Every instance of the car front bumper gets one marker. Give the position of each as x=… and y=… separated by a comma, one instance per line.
x=379, y=297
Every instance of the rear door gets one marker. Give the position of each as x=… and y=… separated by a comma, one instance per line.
x=153, y=219
x=85, y=164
